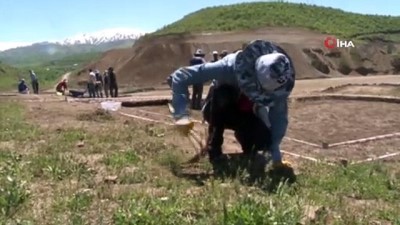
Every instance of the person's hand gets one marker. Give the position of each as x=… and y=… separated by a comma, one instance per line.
x=184, y=125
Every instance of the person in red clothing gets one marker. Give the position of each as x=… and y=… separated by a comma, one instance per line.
x=62, y=86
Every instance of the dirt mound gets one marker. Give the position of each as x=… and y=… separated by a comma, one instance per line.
x=152, y=59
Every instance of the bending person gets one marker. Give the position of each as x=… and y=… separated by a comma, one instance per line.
x=250, y=95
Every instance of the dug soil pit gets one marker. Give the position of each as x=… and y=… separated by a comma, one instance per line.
x=62, y=115
x=162, y=114
x=352, y=152
x=383, y=90
x=157, y=112
x=333, y=121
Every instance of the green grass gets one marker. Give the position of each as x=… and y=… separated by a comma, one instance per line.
x=48, y=76
x=9, y=77
x=280, y=14
x=48, y=73
x=46, y=179
x=121, y=159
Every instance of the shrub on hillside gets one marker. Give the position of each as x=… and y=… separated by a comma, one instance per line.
x=261, y=14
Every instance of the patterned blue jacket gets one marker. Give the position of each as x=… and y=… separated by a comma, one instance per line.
x=236, y=70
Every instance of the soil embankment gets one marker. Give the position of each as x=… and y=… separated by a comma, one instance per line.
x=152, y=59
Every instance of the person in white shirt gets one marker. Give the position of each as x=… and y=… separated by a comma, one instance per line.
x=91, y=84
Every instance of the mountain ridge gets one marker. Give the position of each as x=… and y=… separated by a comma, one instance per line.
x=103, y=36
x=99, y=41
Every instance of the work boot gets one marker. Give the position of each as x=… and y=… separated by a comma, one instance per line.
x=216, y=157
x=282, y=171
x=219, y=162
x=256, y=165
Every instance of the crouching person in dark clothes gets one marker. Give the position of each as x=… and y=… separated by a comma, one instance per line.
x=250, y=97
x=22, y=87
x=197, y=94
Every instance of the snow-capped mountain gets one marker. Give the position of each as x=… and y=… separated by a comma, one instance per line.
x=103, y=36
x=99, y=41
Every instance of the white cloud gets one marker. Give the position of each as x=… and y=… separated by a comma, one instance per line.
x=9, y=44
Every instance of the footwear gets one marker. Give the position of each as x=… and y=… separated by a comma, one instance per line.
x=257, y=166
x=218, y=159
x=260, y=160
x=282, y=164
x=184, y=125
x=282, y=171
x=220, y=164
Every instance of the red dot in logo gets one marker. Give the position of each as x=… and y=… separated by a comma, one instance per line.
x=330, y=42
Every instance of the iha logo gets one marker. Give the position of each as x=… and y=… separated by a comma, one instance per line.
x=331, y=43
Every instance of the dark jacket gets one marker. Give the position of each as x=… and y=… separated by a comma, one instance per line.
x=106, y=78
x=22, y=86
x=196, y=61
x=99, y=78
x=112, y=78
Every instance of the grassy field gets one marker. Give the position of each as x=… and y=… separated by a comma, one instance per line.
x=280, y=14
x=58, y=172
x=8, y=77
x=48, y=73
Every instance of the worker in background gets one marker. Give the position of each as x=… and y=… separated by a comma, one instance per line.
x=22, y=87
x=34, y=81
x=62, y=86
x=98, y=85
x=113, y=83
x=210, y=90
x=91, y=84
x=197, y=92
x=215, y=56
x=223, y=54
x=106, y=80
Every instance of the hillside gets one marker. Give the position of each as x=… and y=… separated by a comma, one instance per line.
x=48, y=72
x=42, y=52
x=8, y=77
x=300, y=29
x=246, y=16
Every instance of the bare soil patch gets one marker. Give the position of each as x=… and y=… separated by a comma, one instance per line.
x=52, y=114
x=328, y=121
x=385, y=90
x=332, y=121
x=353, y=152
x=162, y=114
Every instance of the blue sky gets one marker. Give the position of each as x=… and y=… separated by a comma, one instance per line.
x=23, y=21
